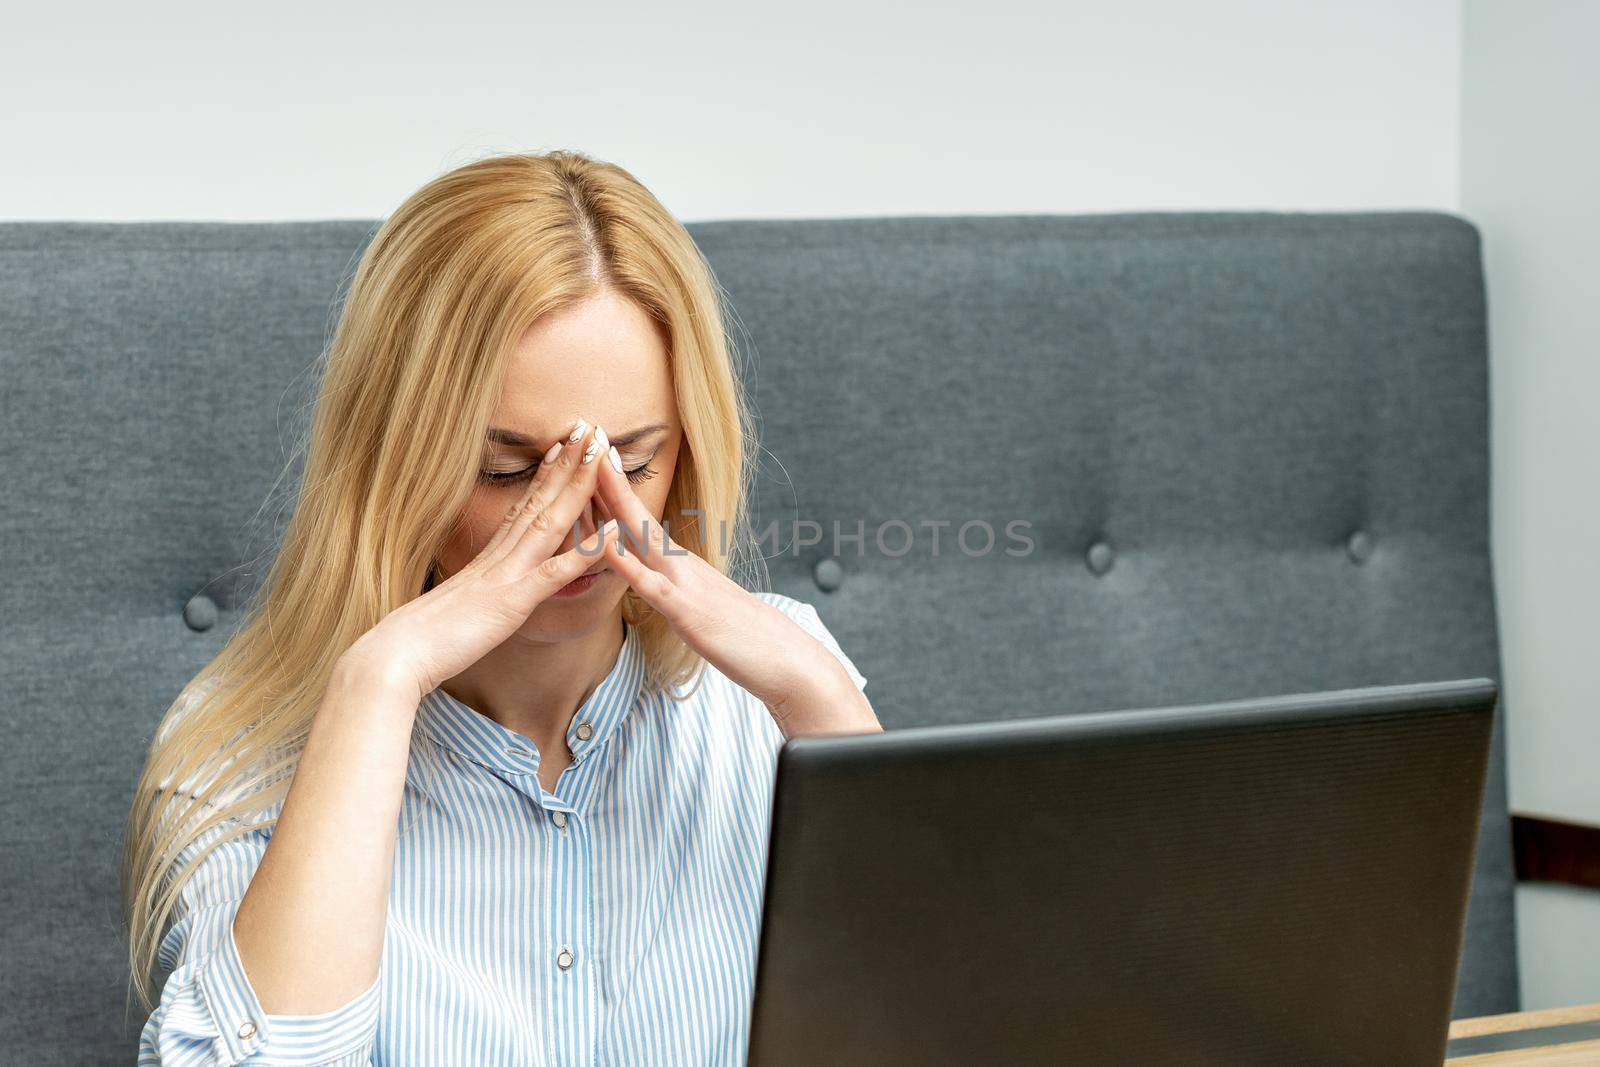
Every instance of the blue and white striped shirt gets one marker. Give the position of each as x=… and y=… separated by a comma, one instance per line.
x=611, y=921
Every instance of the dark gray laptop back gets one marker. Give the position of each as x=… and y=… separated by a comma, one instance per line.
x=1271, y=881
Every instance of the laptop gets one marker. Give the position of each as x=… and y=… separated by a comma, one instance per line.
x=1279, y=880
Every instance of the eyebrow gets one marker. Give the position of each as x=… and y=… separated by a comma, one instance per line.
x=516, y=440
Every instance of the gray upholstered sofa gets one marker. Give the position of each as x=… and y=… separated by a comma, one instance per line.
x=1251, y=450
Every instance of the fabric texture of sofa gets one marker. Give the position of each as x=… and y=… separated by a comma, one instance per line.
x=1248, y=453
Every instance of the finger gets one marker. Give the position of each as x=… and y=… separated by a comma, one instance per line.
x=555, y=470
x=544, y=533
x=654, y=586
x=556, y=571
x=617, y=493
x=642, y=534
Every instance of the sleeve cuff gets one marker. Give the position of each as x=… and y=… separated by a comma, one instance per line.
x=224, y=1012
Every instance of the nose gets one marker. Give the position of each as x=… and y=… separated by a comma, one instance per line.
x=585, y=527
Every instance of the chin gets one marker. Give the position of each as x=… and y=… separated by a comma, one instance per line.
x=572, y=616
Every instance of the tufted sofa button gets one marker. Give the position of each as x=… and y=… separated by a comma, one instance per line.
x=828, y=575
x=1359, y=546
x=1099, y=558
x=200, y=612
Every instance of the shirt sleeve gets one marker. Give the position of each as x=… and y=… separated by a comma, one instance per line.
x=209, y=1013
x=806, y=616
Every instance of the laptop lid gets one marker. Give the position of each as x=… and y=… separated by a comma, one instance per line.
x=1274, y=880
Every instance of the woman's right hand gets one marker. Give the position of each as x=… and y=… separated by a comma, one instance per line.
x=453, y=625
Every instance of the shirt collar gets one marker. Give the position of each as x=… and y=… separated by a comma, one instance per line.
x=479, y=738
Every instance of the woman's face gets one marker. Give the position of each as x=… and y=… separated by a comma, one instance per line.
x=603, y=360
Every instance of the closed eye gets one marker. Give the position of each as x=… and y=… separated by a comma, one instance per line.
x=642, y=473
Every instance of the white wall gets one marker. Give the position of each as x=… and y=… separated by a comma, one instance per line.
x=1531, y=180
x=194, y=111
x=187, y=111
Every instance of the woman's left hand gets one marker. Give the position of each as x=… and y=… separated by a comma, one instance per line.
x=758, y=647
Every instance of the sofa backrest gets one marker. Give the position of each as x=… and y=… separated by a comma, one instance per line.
x=1168, y=458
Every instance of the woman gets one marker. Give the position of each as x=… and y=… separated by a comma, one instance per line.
x=485, y=778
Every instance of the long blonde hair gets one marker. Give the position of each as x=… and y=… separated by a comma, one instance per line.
x=442, y=293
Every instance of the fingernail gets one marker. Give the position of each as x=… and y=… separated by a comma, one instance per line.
x=555, y=450
x=616, y=460
x=600, y=437
x=577, y=432
x=593, y=450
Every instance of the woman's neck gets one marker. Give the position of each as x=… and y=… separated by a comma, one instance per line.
x=535, y=687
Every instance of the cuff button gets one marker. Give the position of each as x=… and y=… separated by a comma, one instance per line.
x=247, y=1030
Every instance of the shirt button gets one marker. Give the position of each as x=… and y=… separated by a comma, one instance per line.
x=247, y=1030
x=564, y=959
x=560, y=819
x=585, y=731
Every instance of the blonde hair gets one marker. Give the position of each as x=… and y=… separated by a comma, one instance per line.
x=443, y=292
